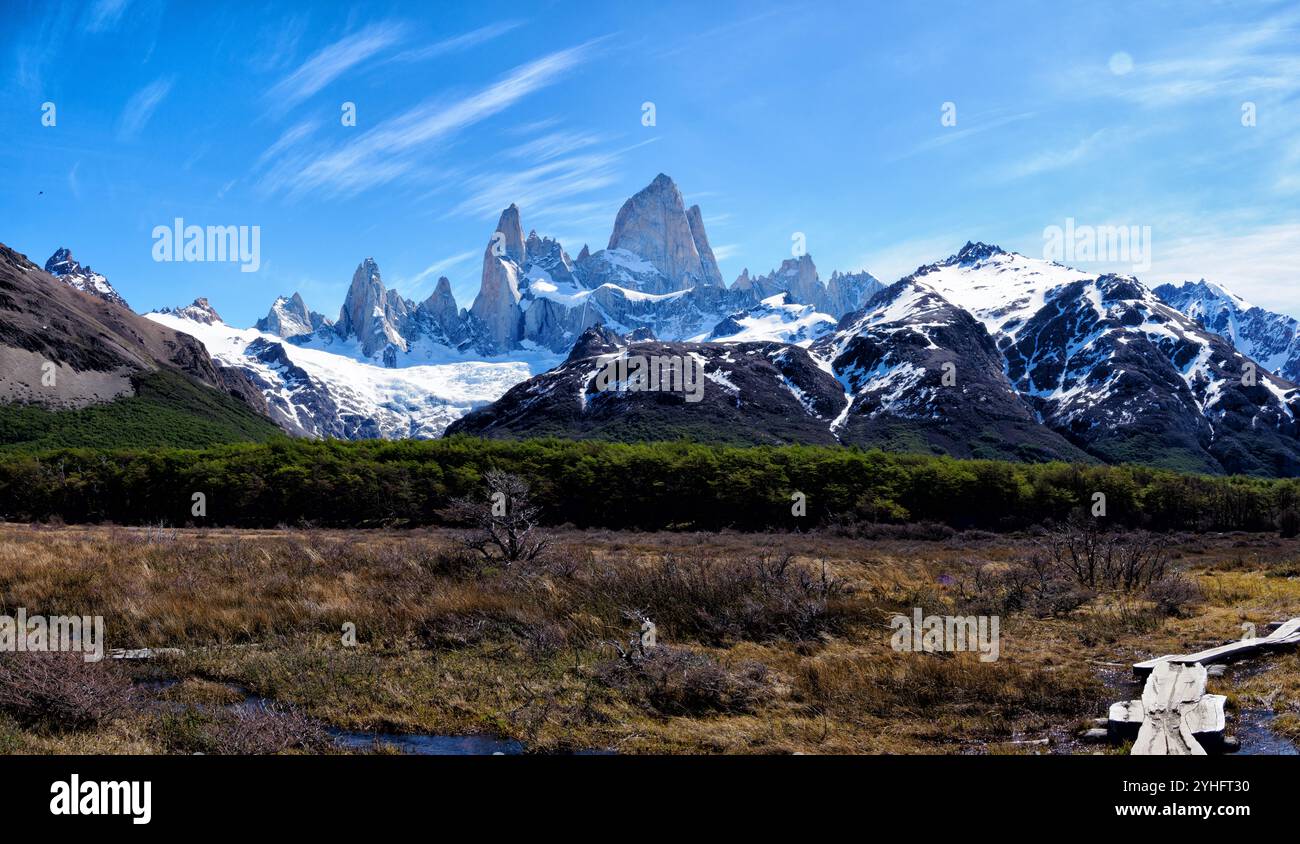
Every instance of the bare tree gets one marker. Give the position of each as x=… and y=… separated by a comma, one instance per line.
x=504, y=523
x=640, y=643
x=1127, y=560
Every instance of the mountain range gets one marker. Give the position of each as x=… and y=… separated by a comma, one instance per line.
x=987, y=353
x=392, y=367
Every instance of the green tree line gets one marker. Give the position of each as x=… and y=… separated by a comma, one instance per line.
x=651, y=486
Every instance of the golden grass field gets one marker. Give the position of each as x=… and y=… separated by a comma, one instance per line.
x=797, y=660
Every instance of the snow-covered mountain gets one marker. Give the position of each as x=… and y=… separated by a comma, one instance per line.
x=658, y=274
x=921, y=373
x=289, y=317
x=311, y=392
x=1108, y=364
x=751, y=392
x=986, y=353
x=392, y=367
x=990, y=353
x=65, y=268
x=1271, y=338
x=200, y=311
x=775, y=318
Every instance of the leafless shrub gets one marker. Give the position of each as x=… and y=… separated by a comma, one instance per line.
x=504, y=523
x=716, y=601
x=261, y=729
x=1174, y=594
x=1034, y=585
x=675, y=681
x=61, y=691
x=1103, y=559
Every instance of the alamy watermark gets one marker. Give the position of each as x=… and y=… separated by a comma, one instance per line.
x=653, y=374
x=179, y=242
x=23, y=633
x=1073, y=244
x=951, y=633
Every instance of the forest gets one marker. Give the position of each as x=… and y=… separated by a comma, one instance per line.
x=592, y=484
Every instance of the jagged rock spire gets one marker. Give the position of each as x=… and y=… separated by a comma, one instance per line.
x=654, y=226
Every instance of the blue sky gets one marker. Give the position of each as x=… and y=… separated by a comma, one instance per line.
x=821, y=118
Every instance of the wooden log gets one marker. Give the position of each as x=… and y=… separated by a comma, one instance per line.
x=1208, y=721
x=1171, y=691
x=1286, y=635
x=1125, y=719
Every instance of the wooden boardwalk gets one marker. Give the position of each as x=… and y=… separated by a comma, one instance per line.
x=1175, y=717
x=1286, y=635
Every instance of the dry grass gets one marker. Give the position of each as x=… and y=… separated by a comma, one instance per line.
x=773, y=643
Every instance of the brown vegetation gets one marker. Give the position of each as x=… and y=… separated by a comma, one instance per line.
x=766, y=643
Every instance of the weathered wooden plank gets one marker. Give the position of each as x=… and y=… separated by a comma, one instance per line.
x=1286, y=635
x=1125, y=719
x=1207, y=718
x=1171, y=690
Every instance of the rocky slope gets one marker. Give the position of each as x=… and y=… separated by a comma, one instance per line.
x=924, y=375
x=1271, y=338
x=1113, y=368
x=62, y=348
x=754, y=393
x=985, y=354
x=68, y=270
x=289, y=317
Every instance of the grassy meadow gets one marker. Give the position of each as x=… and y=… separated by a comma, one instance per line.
x=767, y=643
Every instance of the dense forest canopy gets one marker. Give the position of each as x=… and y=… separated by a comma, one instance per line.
x=651, y=486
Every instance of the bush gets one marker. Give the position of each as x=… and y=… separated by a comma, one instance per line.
x=1288, y=523
x=718, y=601
x=266, y=728
x=1175, y=594
x=1034, y=585
x=251, y=729
x=675, y=681
x=1099, y=558
x=61, y=691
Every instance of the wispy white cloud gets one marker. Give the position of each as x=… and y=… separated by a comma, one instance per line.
x=535, y=126
x=438, y=268
x=104, y=15
x=1256, y=263
x=969, y=126
x=470, y=39
x=74, y=186
x=276, y=44
x=544, y=185
x=394, y=148
x=141, y=107
x=726, y=250
x=331, y=62
x=553, y=145
x=532, y=187
x=287, y=139
x=1288, y=176
x=1057, y=159
x=1258, y=57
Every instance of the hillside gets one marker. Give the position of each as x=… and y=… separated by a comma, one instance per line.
x=80, y=369
x=167, y=411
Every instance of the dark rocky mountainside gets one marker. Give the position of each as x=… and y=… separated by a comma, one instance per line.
x=62, y=348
